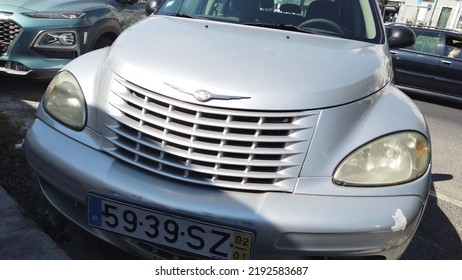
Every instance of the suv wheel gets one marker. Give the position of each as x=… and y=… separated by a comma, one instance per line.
x=103, y=42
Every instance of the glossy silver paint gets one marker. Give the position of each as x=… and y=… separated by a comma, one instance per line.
x=344, y=85
x=191, y=62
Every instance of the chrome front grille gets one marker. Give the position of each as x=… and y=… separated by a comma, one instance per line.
x=252, y=150
x=9, y=30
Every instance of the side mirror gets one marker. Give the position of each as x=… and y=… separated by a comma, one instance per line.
x=152, y=6
x=400, y=36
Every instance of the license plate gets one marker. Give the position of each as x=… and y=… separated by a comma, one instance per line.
x=211, y=241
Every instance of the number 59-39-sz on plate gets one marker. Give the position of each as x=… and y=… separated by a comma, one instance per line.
x=211, y=241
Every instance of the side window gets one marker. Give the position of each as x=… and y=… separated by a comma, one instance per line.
x=179, y=6
x=426, y=42
x=214, y=8
x=453, y=47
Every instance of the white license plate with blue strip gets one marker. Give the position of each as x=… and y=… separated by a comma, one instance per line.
x=208, y=240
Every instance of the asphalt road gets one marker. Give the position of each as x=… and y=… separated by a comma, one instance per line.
x=439, y=234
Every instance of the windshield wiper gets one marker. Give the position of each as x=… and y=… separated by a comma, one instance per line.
x=288, y=27
x=182, y=15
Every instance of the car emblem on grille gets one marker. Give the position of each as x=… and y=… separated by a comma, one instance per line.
x=205, y=95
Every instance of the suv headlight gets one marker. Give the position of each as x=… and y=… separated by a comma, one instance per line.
x=64, y=100
x=389, y=160
x=56, y=38
x=56, y=15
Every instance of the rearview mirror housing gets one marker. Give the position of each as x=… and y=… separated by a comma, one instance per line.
x=400, y=36
x=152, y=6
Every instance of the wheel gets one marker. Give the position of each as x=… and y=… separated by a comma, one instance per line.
x=322, y=24
x=103, y=42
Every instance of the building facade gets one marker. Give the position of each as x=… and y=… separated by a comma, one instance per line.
x=438, y=13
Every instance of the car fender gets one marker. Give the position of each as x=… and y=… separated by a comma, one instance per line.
x=343, y=129
x=108, y=28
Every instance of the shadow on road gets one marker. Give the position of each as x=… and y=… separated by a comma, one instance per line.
x=441, y=177
x=11, y=86
x=436, y=238
x=19, y=98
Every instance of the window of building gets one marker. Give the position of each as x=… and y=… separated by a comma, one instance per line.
x=444, y=17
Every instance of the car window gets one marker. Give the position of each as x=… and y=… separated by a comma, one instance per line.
x=353, y=19
x=426, y=42
x=453, y=47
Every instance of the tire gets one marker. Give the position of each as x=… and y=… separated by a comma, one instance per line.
x=103, y=42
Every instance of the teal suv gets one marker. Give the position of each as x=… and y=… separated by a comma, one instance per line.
x=37, y=38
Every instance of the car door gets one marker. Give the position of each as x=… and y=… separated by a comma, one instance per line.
x=449, y=72
x=415, y=66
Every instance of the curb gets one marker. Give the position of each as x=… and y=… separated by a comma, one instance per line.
x=21, y=238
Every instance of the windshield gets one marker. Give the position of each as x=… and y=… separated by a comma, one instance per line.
x=352, y=19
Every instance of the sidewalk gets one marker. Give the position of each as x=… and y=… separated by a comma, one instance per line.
x=21, y=238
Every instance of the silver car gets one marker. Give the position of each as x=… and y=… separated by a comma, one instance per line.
x=225, y=129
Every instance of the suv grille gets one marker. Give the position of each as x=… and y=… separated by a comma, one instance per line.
x=252, y=150
x=9, y=30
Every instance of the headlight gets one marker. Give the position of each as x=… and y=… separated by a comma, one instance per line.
x=64, y=100
x=390, y=160
x=56, y=39
x=56, y=15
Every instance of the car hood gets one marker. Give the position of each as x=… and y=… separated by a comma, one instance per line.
x=253, y=67
x=49, y=5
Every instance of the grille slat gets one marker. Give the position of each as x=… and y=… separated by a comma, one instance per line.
x=158, y=137
x=154, y=152
x=9, y=30
x=153, y=109
x=223, y=170
x=213, y=137
x=251, y=150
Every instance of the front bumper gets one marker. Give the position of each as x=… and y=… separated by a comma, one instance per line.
x=286, y=225
x=32, y=74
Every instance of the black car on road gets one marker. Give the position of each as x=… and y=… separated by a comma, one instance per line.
x=433, y=65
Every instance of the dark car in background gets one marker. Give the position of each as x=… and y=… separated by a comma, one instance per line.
x=432, y=66
x=37, y=38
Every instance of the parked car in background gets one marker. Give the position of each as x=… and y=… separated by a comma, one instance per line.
x=227, y=129
x=37, y=38
x=433, y=65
